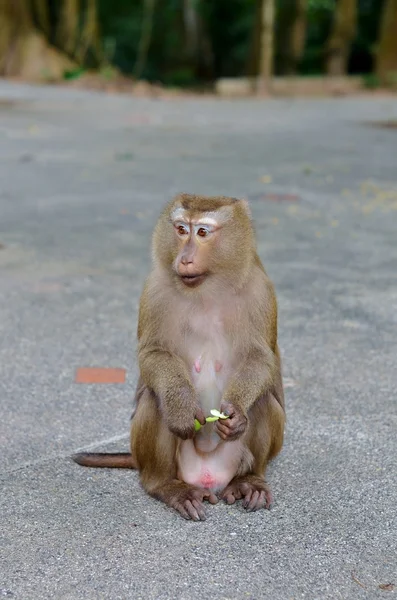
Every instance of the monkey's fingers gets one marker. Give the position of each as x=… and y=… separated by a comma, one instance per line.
x=253, y=503
x=229, y=498
x=256, y=496
x=195, y=510
x=225, y=426
x=227, y=409
x=231, y=494
x=258, y=501
x=200, y=416
x=230, y=431
x=200, y=509
x=247, y=498
x=187, y=510
x=212, y=498
x=223, y=431
x=183, y=512
x=268, y=498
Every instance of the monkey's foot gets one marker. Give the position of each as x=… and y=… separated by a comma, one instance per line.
x=254, y=491
x=188, y=501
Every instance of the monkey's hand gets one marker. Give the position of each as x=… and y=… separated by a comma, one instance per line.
x=232, y=428
x=181, y=422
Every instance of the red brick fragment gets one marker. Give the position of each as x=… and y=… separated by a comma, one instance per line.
x=99, y=375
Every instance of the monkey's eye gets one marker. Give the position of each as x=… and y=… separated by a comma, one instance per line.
x=202, y=232
x=182, y=230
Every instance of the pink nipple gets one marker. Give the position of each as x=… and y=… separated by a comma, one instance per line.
x=218, y=366
x=197, y=366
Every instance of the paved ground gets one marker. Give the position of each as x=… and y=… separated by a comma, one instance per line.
x=83, y=178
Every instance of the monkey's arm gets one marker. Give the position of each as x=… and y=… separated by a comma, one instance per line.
x=165, y=373
x=254, y=378
x=167, y=376
x=257, y=373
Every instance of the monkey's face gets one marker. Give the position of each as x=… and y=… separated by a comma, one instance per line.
x=195, y=242
x=203, y=239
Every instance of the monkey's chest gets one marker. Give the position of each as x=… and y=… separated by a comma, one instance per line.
x=210, y=367
x=210, y=362
x=207, y=461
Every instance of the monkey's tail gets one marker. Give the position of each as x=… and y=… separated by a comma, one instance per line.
x=121, y=460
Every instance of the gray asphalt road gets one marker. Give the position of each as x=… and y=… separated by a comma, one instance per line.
x=83, y=178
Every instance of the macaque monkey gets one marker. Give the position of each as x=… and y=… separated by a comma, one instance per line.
x=207, y=339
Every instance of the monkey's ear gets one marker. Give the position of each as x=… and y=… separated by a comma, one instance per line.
x=245, y=205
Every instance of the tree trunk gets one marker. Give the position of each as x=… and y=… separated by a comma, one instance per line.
x=297, y=36
x=41, y=12
x=191, y=28
x=386, y=63
x=198, y=47
x=68, y=26
x=267, y=10
x=342, y=34
x=24, y=51
x=291, y=35
x=89, y=40
x=146, y=37
x=15, y=26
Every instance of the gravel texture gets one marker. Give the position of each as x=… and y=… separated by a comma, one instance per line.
x=84, y=177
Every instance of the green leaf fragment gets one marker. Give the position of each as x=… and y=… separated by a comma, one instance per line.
x=218, y=414
x=215, y=416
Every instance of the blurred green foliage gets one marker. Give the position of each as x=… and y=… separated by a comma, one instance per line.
x=225, y=31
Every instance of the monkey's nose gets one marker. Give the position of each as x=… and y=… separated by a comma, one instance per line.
x=187, y=260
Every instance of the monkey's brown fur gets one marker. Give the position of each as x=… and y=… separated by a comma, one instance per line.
x=207, y=289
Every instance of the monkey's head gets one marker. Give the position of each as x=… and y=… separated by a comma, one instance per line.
x=202, y=239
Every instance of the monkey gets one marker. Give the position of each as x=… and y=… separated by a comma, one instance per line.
x=207, y=339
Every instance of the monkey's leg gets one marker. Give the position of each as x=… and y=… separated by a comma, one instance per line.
x=154, y=448
x=264, y=440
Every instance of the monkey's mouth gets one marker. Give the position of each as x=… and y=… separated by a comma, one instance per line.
x=193, y=280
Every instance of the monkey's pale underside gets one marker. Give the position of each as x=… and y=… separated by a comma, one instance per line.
x=207, y=339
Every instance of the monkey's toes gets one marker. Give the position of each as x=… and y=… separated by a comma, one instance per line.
x=255, y=494
x=192, y=509
x=212, y=498
x=190, y=505
x=254, y=500
x=230, y=495
x=256, y=497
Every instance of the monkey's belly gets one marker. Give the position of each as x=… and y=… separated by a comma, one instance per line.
x=209, y=470
x=207, y=461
